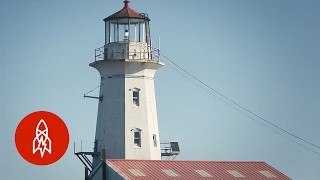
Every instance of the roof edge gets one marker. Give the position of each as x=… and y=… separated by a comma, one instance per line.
x=244, y=161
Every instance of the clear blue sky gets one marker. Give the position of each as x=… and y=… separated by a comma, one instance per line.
x=264, y=55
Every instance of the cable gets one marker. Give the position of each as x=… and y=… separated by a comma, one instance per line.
x=239, y=106
x=93, y=89
x=242, y=112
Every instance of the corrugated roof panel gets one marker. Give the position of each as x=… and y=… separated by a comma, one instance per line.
x=268, y=174
x=169, y=172
x=153, y=169
x=203, y=173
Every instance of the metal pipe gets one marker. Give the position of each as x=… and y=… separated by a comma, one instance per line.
x=86, y=173
x=104, y=154
x=104, y=166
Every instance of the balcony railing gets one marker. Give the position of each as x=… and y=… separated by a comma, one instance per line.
x=127, y=51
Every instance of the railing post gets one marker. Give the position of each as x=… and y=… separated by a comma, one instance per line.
x=140, y=55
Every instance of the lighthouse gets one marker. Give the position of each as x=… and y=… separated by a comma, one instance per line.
x=127, y=124
x=127, y=144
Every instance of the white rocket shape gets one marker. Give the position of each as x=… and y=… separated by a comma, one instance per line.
x=42, y=141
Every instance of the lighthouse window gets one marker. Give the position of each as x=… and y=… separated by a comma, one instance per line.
x=135, y=97
x=154, y=140
x=137, y=138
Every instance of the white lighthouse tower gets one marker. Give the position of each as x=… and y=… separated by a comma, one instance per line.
x=127, y=124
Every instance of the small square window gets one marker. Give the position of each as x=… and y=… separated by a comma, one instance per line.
x=137, y=134
x=137, y=142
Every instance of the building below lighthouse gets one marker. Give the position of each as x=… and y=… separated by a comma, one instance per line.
x=127, y=142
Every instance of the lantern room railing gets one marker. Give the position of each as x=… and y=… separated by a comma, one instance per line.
x=151, y=53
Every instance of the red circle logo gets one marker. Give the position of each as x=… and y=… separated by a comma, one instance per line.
x=42, y=138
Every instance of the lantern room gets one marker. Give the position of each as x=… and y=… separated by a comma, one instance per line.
x=127, y=36
x=127, y=25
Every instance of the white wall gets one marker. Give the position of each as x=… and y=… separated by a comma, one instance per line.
x=118, y=117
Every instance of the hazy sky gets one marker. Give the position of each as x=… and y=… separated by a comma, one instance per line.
x=263, y=54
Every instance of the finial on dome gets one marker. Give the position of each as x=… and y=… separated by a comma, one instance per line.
x=126, y=3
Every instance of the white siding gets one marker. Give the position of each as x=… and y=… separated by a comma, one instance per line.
x=118, y=117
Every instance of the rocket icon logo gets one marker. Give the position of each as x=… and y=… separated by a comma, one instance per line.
x=42, y=142
x=42, y=138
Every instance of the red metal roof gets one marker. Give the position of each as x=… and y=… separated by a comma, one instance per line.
x=166, y=169
x=126, y=12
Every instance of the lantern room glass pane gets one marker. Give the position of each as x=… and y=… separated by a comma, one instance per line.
x=125, y=29
x=107, y=31
x=142, y=30
x=133, y=29
x=113, y=36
